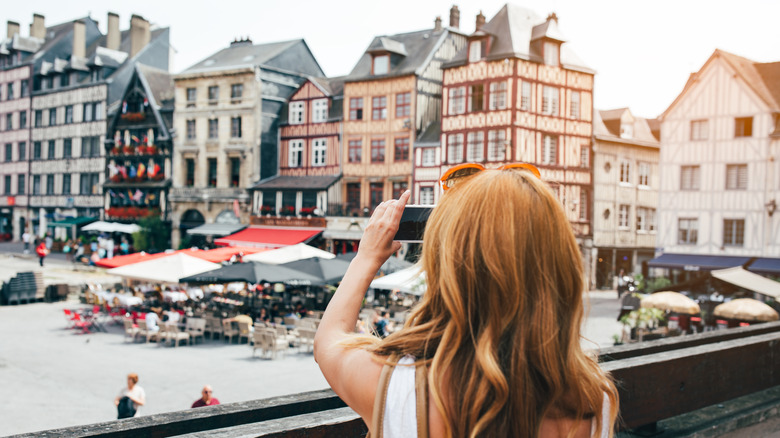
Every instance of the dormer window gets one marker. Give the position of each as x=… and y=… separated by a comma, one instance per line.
x=381, y=64
x=626, y=130
x=477, y=50
x=551, y=53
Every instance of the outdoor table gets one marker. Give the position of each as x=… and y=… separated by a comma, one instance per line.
x=175, y=296
x=124, y=300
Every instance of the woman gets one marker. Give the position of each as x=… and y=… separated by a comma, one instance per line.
x=134, y=392
x=42, y=252
x=498, y=327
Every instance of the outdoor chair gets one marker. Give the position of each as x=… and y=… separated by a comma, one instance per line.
x=278, y=320
x=213, y=326
x=244, y=331
x=130, y=330
x=273, y=343
x=176, y=335
x=69, y=318
x=196, y=328
x=258, y=341
x=144, y=331
x=162, y=334
x=291, y=337
x=290, y=321
x=306, y=338
x=228, y=331
x=82, y=323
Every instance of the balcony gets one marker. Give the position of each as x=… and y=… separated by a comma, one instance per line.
x=211, y=194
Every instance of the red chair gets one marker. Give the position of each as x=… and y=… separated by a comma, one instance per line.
x=81, y=322
x=70, y=317
x=116, y=314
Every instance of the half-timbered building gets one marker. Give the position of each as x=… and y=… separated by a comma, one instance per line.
x=721, y=174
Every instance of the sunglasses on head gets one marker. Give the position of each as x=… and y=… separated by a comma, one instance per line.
x=456, y=174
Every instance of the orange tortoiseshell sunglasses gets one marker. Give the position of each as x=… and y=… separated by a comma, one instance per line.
x=457, y=173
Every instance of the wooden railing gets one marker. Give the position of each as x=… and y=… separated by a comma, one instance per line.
x=656, y=380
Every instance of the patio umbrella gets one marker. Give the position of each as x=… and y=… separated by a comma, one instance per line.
x=327, y=270
x=671, y=301
x=409, y=280
x=288, y=254
x=746, y=309
x=393, y=264
x=164, y=269
x=254, y=273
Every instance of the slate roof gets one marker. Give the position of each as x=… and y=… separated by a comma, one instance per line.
x=282, y=182
x=419, y=46
x=330, y=86
x=245, y=54
x=160, y=83
x=430, y=136
x=606, y=126
x=513, y=30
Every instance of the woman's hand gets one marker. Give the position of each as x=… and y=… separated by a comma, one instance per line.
x=377, y=244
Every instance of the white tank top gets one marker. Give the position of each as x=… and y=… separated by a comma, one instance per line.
x=400, y=419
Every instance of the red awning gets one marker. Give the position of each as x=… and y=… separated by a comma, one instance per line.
x=115, y=262
x=269, y=237
x=217, y=255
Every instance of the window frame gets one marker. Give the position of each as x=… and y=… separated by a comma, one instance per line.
x=213, y=129
x=403, y=104
x=427, y=195
x=643, y=174
x=624, y=217
x=475, y=147
x=691, y=229
x=297, y=110
x=455, y=144
x=355, y=151
x=456, y=103
x=382, y=61
x=739, y=179
x=378, y=154
x=191, y=129
x=356, y=108
x=525, y=95
x=213, y=94
x=496, y=145
x=319, y=110
x=699, y=130
x=319, y=152
x=428, y=157
x=235, y=127
x=551, y=97
x=476, y=98
x=575, y=105
x=379, y=108
x=735, y=228
x=550, y=150
x=295, y=153
x=497, y=95
x=624, y=177
x=401, y=146
x=693, y=181
x=743, y=127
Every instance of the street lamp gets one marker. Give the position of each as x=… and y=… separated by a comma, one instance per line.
x=771, y=206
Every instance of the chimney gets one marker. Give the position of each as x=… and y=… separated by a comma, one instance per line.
x=553, y=16
x=437, y=24
x=480, y=21
x=13, y=28
x=79, y=39
x=38, y=27
x=454, y=17
x=112, y=37
x=140, y=35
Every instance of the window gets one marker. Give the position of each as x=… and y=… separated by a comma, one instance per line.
x=476, y=98
x=644, y=174
x=296, y=113
x=525, y=96
x=353, y=196
x=235, y=172
x=295, y=158
x=550, y=150
x=36, y=185
x=401, y=149
x=733, y=232
x=67, y=148
x=356, y=108
x=743, y=127
x=355, y=151
x=624, y=211
x=9, y=152
x=64, y=80
x=699, y=129
x=645, y=219
x=429, y=157
x=25, y=88
x=38, y=118
x=212, y=166
x=689, y=177
x=36, y=150
x=235, y=127
x=403, y=104
x=66, y=184
x=377, y=151
x=49, y=184
x=475, y=50
x=236, y=92
x=625, y=171
x=376, y=193
x=90, y=184
x=10, y=94
x=190, y=175
x=9, y=122
x=475, y=147
x=319, y=151
x=498, y=95
x=191, y=129
x=583, y=205
x=192, y=95
x=585, y=156
x=20, y=185
x=88, y=112
x=626, y=130
x=574, y=111
x=496, y=145
x=455, y=148
x=551, y=53
x=213, y=128
x=52, y=116
x=319, y=110
x=22, y=119
x=426, y=196
x=7, y=188
x=379, y=108
x=68, y=114
x=736, y=176
x=457, y=100
x=399, y=188
x=381, y=64
x=51, y=150
x=213, y=94
x=22, y=151
x=687, y=231
x=98, y=111
x=550, y=98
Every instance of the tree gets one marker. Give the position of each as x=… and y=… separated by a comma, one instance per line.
x=154, y=236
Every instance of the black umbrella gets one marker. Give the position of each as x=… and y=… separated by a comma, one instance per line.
x=327, y=270
x=254, y=273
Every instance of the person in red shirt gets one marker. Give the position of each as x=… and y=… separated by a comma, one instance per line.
x=206, y=399
x=42, y=251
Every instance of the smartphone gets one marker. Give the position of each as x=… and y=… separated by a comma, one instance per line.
x=412, y=226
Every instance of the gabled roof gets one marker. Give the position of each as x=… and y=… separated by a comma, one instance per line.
x=245, y=54
x=331, y=87
x=606, y=126
x=159, y=83
x=430, y=136
x=762, y=78
x=513, y=28
x=419, y=46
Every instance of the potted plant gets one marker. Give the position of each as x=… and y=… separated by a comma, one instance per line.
x=288, y=210
x=308, y=210
x=267, y=209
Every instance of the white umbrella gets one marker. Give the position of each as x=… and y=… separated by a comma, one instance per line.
x=288, y=254
x=410, y=280
x=111, y=227
x=165, y=269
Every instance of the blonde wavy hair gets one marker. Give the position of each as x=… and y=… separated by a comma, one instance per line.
x=499, y=325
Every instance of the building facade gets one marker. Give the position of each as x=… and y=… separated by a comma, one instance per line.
x=719, y=163
x=227, y=120
x=625, y=194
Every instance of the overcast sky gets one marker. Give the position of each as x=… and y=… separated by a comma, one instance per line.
x=643, y=51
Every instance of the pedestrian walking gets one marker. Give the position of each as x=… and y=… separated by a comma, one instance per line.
x=621, y=286
x=26, y=240
x=130, y=398
x=42, y=252
x=49, y=241
x=206, y=399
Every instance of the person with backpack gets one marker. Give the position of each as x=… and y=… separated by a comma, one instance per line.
x=130, y=398
x=42, y=251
